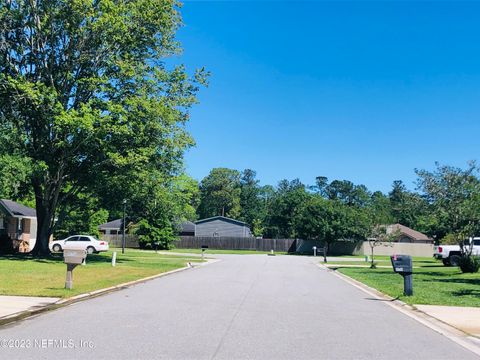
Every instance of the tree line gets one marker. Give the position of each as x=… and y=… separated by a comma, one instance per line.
x=445, y=204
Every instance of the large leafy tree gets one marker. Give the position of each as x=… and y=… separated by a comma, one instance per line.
x=284, y=207
x=14, y=174
x=250, y=201
x=81, y=215
x=220, y=194
x=85, y=94
x=342, y=190
x=406, y=206
x=332, y=220
x=454, y=197
x=159, y=206
x=379, y=209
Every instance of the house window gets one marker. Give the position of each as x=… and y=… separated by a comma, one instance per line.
x=2, y=224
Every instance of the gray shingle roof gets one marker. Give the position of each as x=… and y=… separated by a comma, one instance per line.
x=187, y=226
x=16, y=209
x=221, y=218
x=114, y=224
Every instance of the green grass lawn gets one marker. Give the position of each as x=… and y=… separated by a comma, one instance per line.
x=357, y=263
x=433, y=283
x=46, y=277
x=213, y=251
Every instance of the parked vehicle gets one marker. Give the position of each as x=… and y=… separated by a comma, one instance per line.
x=79, y=242
x=450, y=254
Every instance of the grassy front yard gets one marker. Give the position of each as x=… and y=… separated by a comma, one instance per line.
x=433, y=283
x=46, y=277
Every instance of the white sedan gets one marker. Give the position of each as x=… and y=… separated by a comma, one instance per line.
x=79, y=242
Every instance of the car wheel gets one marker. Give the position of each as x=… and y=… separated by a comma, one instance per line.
x=90, y=250
x=454, y=260
x=57, y=248
x=446, y=262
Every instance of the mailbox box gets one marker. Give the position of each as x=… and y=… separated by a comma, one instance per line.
x=402, y=264
x=204, y=247
x=74, y=257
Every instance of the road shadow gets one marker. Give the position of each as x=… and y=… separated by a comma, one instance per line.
x=461, y=281
x=433, y=273
x=467, y=292
x=387, y=300
x=431, y=265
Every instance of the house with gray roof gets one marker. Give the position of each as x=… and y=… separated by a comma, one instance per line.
x=187, y=228
x=114, y=227
x=18, y=227
x=221, y=226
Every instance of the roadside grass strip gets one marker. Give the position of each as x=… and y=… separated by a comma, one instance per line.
x=23, y=275
x=433, y=283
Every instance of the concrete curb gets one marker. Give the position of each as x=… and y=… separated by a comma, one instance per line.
x=456, y=335
x=92, y=294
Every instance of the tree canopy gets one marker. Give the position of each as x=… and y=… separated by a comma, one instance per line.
x=220, y=194
x=453, y=196
x=85, y=95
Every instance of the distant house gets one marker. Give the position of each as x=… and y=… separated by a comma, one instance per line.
x=220, y=226
x=408, y=235
x=187, y=228
x=18, y=226
x=113, y=227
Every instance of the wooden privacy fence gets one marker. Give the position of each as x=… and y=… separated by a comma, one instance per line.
x=237, y=243
x=281, y=245
x=220, y=243
x=131, y=241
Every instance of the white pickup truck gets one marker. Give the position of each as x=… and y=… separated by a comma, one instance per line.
x=450, y=254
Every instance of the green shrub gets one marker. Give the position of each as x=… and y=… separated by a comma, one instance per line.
x=469, y=264
x=152, y=237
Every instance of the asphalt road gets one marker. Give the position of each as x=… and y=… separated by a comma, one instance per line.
x=243, y=307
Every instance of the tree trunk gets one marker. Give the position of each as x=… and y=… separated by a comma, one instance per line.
x=44, y=229
x=46, y=198
x=325, y=250
x=47, y=188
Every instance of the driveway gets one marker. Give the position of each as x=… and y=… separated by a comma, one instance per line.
x=243, y=307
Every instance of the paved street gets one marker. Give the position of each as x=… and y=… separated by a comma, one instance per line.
x=244, y=307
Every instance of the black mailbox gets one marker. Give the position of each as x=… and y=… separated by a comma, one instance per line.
x=204, y=246
x=402, y=264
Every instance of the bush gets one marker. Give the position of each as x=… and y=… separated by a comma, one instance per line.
x=469, y=264
x=152, y=237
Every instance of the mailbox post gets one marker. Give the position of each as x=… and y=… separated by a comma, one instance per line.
x=402, y=264
x=204, y=247
x=314, y=251
x=72, y=258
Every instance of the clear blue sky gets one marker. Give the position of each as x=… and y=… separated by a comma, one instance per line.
x=363, y=91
